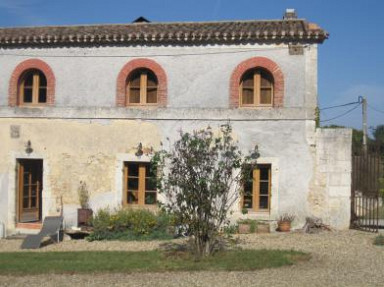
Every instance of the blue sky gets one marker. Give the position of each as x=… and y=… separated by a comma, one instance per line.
x=351, y=61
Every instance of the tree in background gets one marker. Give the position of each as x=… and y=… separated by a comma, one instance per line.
x=378, y=138
x=201, y=178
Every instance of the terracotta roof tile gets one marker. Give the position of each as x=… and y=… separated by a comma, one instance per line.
x=254, y=31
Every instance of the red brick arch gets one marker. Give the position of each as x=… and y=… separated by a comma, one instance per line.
x=13, y=99
x=257, y=62
x=136, y=64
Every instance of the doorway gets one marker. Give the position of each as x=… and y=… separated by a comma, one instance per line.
x=30, y=186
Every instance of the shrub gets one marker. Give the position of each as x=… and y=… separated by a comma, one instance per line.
x=130, y=224
x=230, y=229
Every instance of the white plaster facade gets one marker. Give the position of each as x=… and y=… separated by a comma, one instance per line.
x=84, y=136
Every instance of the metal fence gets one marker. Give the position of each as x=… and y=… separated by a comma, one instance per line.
x=367, y=201
x=366, y=213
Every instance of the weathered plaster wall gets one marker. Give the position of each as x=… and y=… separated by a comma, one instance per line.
x=93, y=151
x=198, y=76
x=72, y=151
x=330, y=188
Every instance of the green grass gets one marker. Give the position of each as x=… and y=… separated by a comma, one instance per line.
x=23, y=263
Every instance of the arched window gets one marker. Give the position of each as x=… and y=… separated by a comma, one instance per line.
x=141, y=88
x=256, y=88
x=256, y=82
x=141, y=82
x=32, y=88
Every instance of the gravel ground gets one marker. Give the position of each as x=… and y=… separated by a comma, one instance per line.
x=338, y=259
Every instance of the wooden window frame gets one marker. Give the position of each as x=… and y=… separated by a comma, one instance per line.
x=256, y=189
x=256, y=88
x=37, y=208
x=143, y=88
x=142, y=176
x=35, y=88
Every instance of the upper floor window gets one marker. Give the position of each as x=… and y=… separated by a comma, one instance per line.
x=141, y=88
x=141, y=82
x=256, y=88
x=256, y=82
x=33, y=88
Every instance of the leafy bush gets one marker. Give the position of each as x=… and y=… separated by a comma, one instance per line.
x=230, y=229
x=130, y=224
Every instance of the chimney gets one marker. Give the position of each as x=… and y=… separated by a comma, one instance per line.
x=290, y=14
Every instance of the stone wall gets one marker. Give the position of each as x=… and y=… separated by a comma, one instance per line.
x=330, y=192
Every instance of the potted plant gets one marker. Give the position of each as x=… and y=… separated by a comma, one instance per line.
x=284, y=222
x=247, y=226
x=84, y=213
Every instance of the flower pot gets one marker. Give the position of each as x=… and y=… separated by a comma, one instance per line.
x=284, y=226
x=263, y=228
x=244, y=228
x=84, y=216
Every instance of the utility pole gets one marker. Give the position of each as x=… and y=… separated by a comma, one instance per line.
x=365, y=128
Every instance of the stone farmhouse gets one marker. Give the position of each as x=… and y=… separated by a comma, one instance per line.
x=77, y=103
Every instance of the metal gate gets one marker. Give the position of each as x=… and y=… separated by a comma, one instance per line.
x=367, y=192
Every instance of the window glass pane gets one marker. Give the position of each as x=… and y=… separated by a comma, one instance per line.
x=134, y=95
x=247, y=79
x=26, y=178
x=27, y=95
x=132, y=197
x=150, y=171
x=42, y=95
x=247, y=96
x=43, y=80
x=134, y=88
x=150, y=198
x=28, y=79
x=133, y=183
x=263, y=202
x=264, y=188
x=133, y=169
x=134, y=80
x=34, y=190
x=33, y=202
x=265, y=96
x=266, y=81
x=151, y=80
x=264, y=173
x=248, y=186
x=150, y=183
x=25, y=202
x=248, y=82
x=26, y=190
x=151, y=96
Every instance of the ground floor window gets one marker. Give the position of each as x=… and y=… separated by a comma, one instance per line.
x=139, y=184
x=257, y=190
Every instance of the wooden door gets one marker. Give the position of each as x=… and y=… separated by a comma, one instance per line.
x=30, y=186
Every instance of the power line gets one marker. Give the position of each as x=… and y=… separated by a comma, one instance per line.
x=140, y=56
x=343, y=114
x=375, y=109
x=343, y=105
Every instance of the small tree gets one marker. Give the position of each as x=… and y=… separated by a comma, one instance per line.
x=202, y=178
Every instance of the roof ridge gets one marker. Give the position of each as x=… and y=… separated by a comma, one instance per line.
x=158, y=23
